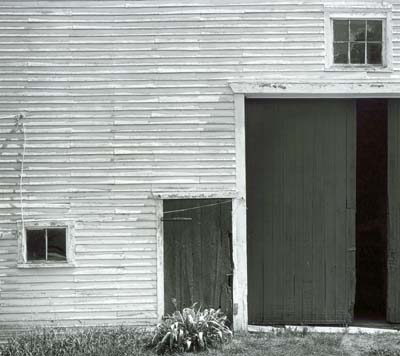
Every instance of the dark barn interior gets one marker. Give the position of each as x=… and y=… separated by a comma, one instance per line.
x=371, y=217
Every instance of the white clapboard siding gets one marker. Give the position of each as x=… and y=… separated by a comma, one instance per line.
x=121, y=100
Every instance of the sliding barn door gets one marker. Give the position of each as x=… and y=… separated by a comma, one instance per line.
x=198, y=254
x=301, y=210
x=393, y=260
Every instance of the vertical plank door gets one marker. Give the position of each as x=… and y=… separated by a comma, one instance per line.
x=300, y=158
x=393, y=260
x=198, y=254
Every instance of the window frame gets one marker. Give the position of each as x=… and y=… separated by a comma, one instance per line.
x=23, y=261
x=382, y=14
x=365, y=42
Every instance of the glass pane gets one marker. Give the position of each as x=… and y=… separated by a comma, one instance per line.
x=35, y=245
x=357, y=30
x=341, y=53
x=56, y=247
x=341, y=30
x=357, y=53
x=374, y=53
x=374, y=30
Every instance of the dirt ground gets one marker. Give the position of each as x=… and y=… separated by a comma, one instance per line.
x=375, y=345
x=306, y=344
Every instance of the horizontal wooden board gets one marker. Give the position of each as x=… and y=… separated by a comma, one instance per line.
x=123, y=100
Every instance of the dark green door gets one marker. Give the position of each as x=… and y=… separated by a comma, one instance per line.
x=198, y=253
x=393, y=260
x=300, y=158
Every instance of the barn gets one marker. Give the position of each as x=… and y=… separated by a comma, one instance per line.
x=239, y=154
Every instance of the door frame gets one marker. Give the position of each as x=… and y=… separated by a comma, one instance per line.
x=294, y=89
x=237, y=211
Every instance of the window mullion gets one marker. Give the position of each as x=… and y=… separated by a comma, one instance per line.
x=383, y=43
x=366, y=43
x=349, y=45
x=46, y=243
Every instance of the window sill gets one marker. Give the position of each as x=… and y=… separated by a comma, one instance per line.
x=362, y=68
x=46, y=265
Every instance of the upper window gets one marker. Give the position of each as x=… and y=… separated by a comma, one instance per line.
x=358, y=42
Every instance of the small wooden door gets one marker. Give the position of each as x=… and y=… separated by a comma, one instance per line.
x=393, y=258
x=198, y=253
x=300, y=157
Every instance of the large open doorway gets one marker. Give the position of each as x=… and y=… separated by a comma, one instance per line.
x=323, y=220
x=371, y=216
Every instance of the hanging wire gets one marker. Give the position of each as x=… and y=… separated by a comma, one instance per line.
x=198, y=207
x=21, y=178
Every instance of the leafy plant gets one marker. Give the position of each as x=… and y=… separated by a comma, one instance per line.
x=191, y=330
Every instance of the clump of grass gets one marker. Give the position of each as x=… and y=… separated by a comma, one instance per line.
x=191, y=330
x=95, y=341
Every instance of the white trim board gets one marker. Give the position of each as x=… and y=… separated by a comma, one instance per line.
x=321, y=89
x=160, y=259
x=239, y=224
x=195, y=195
x=322, y=329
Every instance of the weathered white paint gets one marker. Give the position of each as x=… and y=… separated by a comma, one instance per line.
x=302, y=88
x=239, y=226
x=123, y=101
x=160, y=259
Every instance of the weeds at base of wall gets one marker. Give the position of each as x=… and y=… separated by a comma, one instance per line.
x=127, y=341
x=93, y=341
x=192, y=329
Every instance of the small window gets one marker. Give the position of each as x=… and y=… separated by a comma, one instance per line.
x=46, y=245
x=358, y=42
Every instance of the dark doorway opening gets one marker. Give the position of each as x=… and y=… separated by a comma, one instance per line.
x=371, y=217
